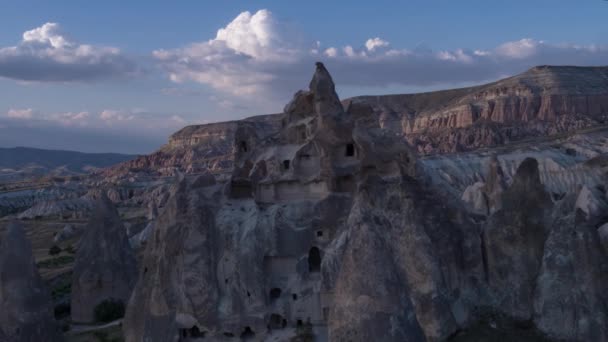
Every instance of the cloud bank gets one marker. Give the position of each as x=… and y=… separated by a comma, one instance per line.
x=45, y=54
x=255, y=56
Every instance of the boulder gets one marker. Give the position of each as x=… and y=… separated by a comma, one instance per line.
x=67, y=232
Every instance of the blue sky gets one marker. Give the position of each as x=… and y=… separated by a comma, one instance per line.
x=121, y=76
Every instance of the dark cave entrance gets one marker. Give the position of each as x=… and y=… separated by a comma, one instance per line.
x=350, y=150
x=314, y=260
x=247, y=334
x=275, y=293
x=193, y=332
x=243, y=146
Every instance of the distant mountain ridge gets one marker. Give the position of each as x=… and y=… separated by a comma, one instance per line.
x=18, y=158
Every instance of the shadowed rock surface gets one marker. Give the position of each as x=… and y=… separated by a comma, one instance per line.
x=105, y=265
x=26, y=311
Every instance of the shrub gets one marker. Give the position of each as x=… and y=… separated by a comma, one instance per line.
x=70, y=249
x=109, y=310
x=54, y=250
x=56, y=262
x=62, y=310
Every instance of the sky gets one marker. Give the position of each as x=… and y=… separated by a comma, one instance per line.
x=117, y=76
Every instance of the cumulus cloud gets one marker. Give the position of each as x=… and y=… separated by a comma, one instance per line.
x=45, y=54
x=110, y=115
x=254, y=57
x=21, y=114
x=374, y=43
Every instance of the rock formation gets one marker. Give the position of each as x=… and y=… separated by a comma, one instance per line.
x=105, y=266
x=334, y=223
x=387, y=218
x=26, y=311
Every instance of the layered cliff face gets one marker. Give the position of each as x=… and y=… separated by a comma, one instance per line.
x=543, y=101
x=198, y=148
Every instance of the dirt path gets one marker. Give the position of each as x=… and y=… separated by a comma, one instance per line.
x=84, y=328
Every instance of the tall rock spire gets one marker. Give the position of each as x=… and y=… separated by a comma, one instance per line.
x=322, y=87
x=26, y=312
x=105, y=265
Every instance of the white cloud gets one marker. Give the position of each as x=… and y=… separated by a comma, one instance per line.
x=374, y=43
x=21, y=114
x=45, y=54
x=71, y=118
x=331, y=52
x=519, y=49
x=254, y=60
x=111, y=115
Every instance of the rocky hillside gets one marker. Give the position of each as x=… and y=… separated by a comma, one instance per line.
x=20, y=162
x=544, y=101
x=198, y=148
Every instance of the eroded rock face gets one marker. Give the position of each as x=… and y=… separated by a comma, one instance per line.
x=570, y=290
x=26, y=308
x=335, y=225
x=105, y=266
x=514, y=238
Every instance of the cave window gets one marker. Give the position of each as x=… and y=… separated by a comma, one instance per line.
x=299, y=323
x=192, y=332
x=303, y=135
x=248, y=294
x=276, y=322
x=145, y=270
x=294, y=296
x=286, y=164
x=247, y=333
x=350, y=150
x=131, y=194
x=314, y=260
x=275, y=293
x=319, y=233
x=243, y=146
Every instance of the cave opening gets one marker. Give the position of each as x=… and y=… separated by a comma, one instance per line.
x=243, y=146
x=275, y=293
x=286, y=164
x=277, y=321
x=193, y=332
x=247, y=333
x=314, y=260
x=350, y=150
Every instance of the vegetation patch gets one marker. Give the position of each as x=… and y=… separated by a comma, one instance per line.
x=62, y=289
x=56, y=262
x=109, y=310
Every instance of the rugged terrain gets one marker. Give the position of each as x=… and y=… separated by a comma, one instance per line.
x=23, y=162
x=465, y=215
